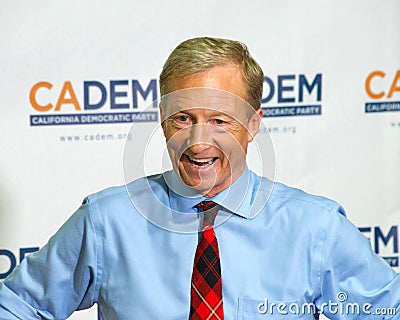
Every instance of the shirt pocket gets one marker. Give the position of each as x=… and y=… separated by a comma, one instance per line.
x=263, y=309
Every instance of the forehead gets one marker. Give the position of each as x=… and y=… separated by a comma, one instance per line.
x=227, y=77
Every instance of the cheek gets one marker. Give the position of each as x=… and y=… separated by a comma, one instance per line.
x=239, y=141
x=233, y=149
x=169, y=130
x=177, y=141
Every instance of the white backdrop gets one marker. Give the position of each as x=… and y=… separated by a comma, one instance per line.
x=350, y=48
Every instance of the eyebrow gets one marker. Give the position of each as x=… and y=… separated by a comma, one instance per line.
x=212, y=112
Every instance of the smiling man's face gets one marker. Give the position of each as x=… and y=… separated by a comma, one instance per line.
x=208, y=125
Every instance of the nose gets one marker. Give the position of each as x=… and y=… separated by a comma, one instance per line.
x=199, y=139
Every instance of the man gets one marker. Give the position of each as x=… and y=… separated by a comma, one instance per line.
x=156, y=250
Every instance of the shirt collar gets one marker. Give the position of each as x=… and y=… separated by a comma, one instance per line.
x=237, y=199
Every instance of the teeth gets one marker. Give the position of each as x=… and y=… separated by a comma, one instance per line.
x=201, y=160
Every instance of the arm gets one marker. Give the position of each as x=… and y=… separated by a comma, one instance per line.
x=60, y=278
x=354, y=277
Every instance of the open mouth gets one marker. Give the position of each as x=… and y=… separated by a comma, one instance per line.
x=201, y=163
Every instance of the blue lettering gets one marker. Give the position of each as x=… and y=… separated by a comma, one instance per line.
x=86, y=95
x=286, y=87
x=271, y=90
x=365, y=229
x=282, y=88
x=137, y=88
x=13, y=262
x=304, y=83
x=393, y=234
x=115, y=94
x=24, y=251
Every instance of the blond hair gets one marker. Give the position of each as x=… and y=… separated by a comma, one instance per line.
x=198, y=54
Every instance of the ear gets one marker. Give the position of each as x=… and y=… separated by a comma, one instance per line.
x=163, y=125
x=254, y=123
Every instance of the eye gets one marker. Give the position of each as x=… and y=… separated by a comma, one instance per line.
x=182, y=119
x=218, y=122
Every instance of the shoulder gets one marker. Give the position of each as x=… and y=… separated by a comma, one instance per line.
x=290, y=202
x=277, y=194
x=122, y=197
x=297, y=213
x=283, y=193
x=145, y=184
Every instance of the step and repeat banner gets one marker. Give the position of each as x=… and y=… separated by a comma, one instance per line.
x=75, y=74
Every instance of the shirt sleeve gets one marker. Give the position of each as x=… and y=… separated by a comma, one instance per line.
x=355, y=282
x=60, y=278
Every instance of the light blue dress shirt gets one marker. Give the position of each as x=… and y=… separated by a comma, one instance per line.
x=294, y=250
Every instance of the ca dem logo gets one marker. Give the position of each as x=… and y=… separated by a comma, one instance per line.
x=291, y=95
x=92, y=102
x=383, y=89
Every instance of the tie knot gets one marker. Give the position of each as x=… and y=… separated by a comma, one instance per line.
x=208, y=214
x=205, y=205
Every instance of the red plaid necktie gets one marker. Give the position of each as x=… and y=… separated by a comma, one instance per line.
x=206, y=294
